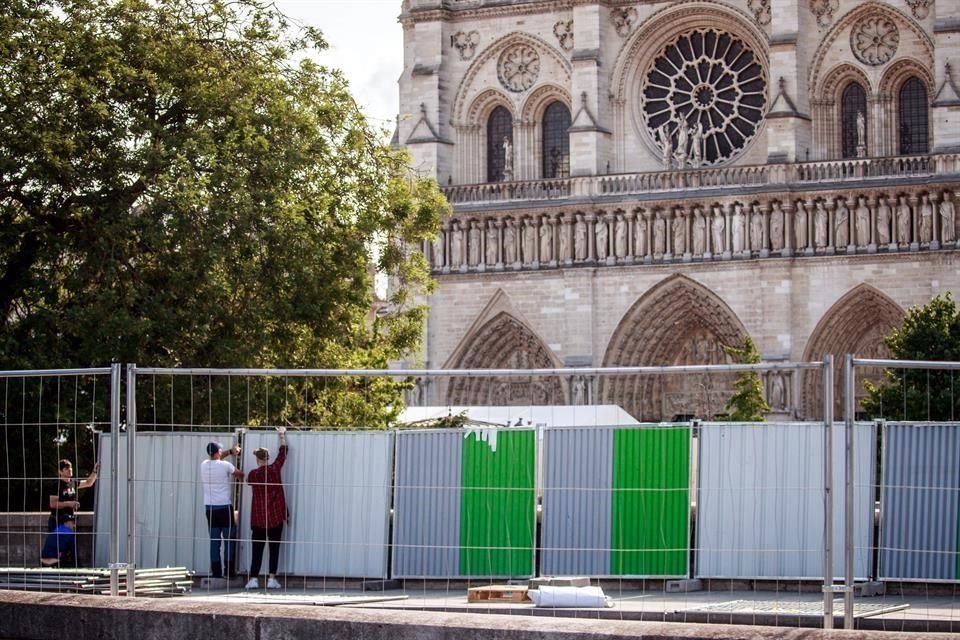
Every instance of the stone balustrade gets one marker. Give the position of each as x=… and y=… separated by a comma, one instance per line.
x=774, y=223
x=803, y=173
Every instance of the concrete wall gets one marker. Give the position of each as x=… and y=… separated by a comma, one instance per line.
x=33, y=616
x=22, y=536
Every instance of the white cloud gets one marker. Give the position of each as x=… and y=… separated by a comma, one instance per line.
x=366, y=43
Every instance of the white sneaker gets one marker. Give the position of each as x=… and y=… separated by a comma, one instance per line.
x=273, y=584
x=253, y=584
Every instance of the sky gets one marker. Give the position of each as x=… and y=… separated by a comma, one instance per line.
x=366, y=43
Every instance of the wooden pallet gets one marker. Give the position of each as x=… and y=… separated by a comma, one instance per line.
x=498, y=593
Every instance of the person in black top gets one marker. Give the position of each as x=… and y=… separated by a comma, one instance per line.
x=63, y=501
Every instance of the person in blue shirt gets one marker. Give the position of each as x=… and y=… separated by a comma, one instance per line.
x=60, y=547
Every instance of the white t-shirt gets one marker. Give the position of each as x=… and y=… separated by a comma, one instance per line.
x=216, y=476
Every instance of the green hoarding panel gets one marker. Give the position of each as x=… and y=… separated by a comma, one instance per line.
x=651, y=501
x=497, y=505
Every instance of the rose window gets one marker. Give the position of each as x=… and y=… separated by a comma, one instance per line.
x=706, y=94
x=518, y=67
x=874, y=40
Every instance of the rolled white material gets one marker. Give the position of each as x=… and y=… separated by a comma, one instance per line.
x=580, y=597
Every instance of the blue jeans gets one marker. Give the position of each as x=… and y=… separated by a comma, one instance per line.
x=220, y=523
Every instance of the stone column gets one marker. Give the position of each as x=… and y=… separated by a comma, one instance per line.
x=765, y=235
x=591, y=237
x=914, y=221
x=630, y=217
x=498, y=225
x=648, y=236
x=686, y=219
x=788, y=212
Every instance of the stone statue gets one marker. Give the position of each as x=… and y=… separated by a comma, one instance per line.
x=510, y=243
x=926, y=219
x=719, y=228
x=659, y=235
x=800, y=225
x=820, y=225
x=682, y=145
x=546, y=242
x=620, y=236
x=778, y=391
x=493, y=248
x=696, y=145
x=580, y=239
x=456, y=248
x=437, y=250
x=564, y=243
x=473, y=246
x=776, y=227
x=948, y=218
x=663, y=132
x=737, y=228
x=529, y=241
x=699, y=232
x=861, y=129
x=841, y=224
x=883, y=221
x=603, y=238
x=756, y=229
x=861, y=217
x=678, y=223
x=640, y=246
x=904, y=222
x=507, y=159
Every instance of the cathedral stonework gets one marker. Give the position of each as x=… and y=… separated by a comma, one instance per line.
x=647, y=183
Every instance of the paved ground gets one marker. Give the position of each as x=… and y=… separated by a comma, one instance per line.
x=936, y=610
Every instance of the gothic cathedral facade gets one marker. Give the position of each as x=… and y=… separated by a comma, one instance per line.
x=644, y=182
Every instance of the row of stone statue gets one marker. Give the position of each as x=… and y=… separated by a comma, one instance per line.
x=824, y=225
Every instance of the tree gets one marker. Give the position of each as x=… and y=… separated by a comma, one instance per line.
x=181, y=185
x=747, y=403
x=930, y=332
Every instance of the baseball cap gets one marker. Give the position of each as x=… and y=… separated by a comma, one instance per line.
x=213, y=447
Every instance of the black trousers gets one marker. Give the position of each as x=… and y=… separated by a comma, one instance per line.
x=260, y=536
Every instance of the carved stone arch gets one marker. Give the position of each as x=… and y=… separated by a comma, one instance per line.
x=469, y=82
x=857, y=324
x=484, y=104
x=498, y=339
x=837, y=80
x=821, y=57
x=649, y=41
x=902, y=70
x=539, y=99
x=678, y=321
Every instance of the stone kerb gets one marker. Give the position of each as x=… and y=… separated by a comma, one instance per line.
x=41, y=616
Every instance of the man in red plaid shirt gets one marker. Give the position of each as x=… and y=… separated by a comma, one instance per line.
x=268, y=510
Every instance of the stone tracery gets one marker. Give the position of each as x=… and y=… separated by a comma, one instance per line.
x=874, y=40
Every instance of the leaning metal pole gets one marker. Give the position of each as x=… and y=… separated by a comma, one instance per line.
x=848, y=488
x=114, y=478
x=828, y=491
x=131, y=468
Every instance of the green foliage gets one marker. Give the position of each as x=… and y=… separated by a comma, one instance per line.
x=747, y=403
x=930, y=332
x=181, y=185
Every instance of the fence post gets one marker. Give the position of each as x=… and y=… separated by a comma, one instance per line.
x=114, y=478
x=131, y=489
x=848, y=415
x=828, y=491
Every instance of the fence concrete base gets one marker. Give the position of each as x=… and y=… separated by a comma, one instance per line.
x=44, y=616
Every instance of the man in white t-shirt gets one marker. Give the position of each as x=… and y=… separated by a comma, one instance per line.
x=217, y=476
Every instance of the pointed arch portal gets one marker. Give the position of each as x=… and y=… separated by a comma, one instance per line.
x=679, y=321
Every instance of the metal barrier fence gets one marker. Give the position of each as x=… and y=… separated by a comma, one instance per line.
x=571, y=492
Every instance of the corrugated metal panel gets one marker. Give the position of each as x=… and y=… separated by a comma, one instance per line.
x=616, y=501
x=920, y=494
x=171, y=528
x=337, y=489
x=651, y=501
x=426, y=526
x=577, y=478
x=497, y=510
x=760, y=505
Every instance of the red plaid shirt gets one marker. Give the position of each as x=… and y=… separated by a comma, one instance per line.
x=268, y=507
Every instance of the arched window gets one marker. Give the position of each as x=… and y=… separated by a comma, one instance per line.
x=556, y=141
x=852, y=104
x=913, y=131
x=500, y=146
